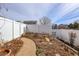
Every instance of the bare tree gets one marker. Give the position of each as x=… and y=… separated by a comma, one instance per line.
x=45, y=20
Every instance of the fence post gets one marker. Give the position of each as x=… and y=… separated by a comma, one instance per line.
x=72, y=37
x=19, y=28
x=13, y=29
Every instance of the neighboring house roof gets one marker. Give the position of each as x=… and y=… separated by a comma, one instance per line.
x=30, y=22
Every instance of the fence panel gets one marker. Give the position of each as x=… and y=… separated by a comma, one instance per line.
x=64, y=34
x=39, y=28
x=10, y=29
x=6, y=30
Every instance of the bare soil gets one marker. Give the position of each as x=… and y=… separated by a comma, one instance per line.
x=3, y=52
x=14, y=45
x=52, y=48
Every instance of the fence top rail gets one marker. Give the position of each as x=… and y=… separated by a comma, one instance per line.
x=9, y=20
x=66, y=29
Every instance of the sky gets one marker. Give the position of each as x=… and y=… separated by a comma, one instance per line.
x=60, y=13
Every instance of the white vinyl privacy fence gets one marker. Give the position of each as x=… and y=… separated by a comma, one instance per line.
x=64, y=34
x=10, y=29
x=39, y=28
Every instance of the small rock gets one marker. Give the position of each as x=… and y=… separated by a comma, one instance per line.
x=57, y=54
x=47, y=39
x=50, y=43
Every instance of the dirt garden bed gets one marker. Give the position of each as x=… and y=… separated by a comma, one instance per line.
x=46, y=45
x=52, y=47
x=13, y=45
